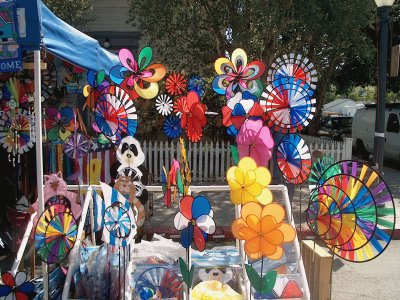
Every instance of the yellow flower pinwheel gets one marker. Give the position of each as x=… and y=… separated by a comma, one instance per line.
x=249, y=183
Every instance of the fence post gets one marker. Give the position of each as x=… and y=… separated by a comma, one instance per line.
x=212, y=151
x=201, y=172
x=223, y=154
x=206, y=159
x=151, y=152
x=194, y=168
x=347, y=148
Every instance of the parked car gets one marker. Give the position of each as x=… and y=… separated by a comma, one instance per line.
x=336, y=127
x=363, y=131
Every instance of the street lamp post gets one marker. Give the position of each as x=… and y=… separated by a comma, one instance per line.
x=384, y=8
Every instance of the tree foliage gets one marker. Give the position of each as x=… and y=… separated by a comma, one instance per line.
x=189, y=35
x=74, y=12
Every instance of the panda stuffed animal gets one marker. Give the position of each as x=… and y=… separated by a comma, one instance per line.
x=130, y=155
x=223, y=275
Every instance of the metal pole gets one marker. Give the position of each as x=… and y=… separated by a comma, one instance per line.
x=379, y=141
x=39, y=154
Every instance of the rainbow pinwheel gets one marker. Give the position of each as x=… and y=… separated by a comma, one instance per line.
x=318, y=169
x=293, y=66
x=138, y=75
x=60, y=124
x=293, y=158
x=55, y=233
x=16, y=288
x=353, y=212
x=263, y=230
x=115, y=114
x=248, y=182
x=255, y=140
x=195, y=221
x=289, y=105
x=237, y=75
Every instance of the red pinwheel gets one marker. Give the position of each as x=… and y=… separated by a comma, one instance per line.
x=175, y=84
x=16, y=287
x=192, y=113
x=255, y=140
x=195, y=221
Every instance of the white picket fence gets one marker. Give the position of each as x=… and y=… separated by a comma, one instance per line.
x=210, y=160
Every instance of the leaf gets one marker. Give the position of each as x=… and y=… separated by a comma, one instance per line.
x=186, y=274
x=235, y=154
x=262, y=285
x=179, y=182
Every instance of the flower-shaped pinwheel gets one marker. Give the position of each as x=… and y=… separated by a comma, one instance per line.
x=192, y=113
x=195, y=221
x=97, y=83
x=197, y=84
x=249, y=183
x=263, y=230
x=164, y=104
x=236, y=74
x=60, y=123
x=172, y=127
x=16, y=288
x=255, y=140
x=175, y=84
x=138, y=75
x=240, y=108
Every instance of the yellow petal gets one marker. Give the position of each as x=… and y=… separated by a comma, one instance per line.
x=247, y=197
x=239, y=54
x=239, y=176
x=234, y=185
x=86, y=90
x=245, y=233
x=254, y=189
x=289, y=233
x=230, y=174
x=263, y=176
x=251, y=208
x=268, y=224
x=265, y=197
x=247, y=164
x=64, y=135
x=253, y=223
x=220, y=64
x=236, y=196
x=267, y=248
x=275, y=210
x=249, y=178
x=277, y=255
x=253, y=245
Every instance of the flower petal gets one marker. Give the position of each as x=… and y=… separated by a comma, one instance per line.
x=268, y=224
x=185, y=207
x=21, y=296
x=5, y=290
x=245, y=233
x=199, y=239
x=253, y=222
x=8, y=279
x=288, y=232
x=236, y=196
x=11, y=296
x=275, y=237
x=267, y=248
x=263, y=176
x=249, y=178
x=239, y=59
x=277, y=255
x=200, y=206
x=254, y=189
x=265, y=197
x=27, y=287
x=253, y=245
x=187, y=236
x=180, y=221
x=275, y=210
x=237, y=225
x=20, y=278
x=246, y=164
x=251, y=208
x=206, y=224
x=247, y=197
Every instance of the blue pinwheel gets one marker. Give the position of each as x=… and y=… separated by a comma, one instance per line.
x=195, y=221
x=197, y=84
x=172, y=127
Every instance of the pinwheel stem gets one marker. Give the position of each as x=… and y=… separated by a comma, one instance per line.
x=261, y=274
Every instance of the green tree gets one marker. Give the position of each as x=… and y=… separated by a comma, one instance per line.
x=189, y=35
x=74, y=12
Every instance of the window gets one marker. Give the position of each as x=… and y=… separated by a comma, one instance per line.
x=393, y=123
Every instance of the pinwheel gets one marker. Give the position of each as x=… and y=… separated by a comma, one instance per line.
x=289, y=105
x=16, y=288
x=294, y=158
x=197, y=84
x=117, y=221
x=55, y=234
x=372, y=210
x=115, y=114
x=172, y=127
x=255, y=140
x=192, y=113
x=240, y=108
x=195, y=221
x=96, y=84
x=164, y=104
x=263, y=230
x=58, y=202
x=160, y=283
x=237, y=75
x=76, y=146
x=318, y=169
x=60, y=124
x=17, y=133
x=293, y=66
x=138, y=75
x=175, y=84
x=248, y=182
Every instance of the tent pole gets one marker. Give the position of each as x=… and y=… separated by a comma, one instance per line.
x=39, y=154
